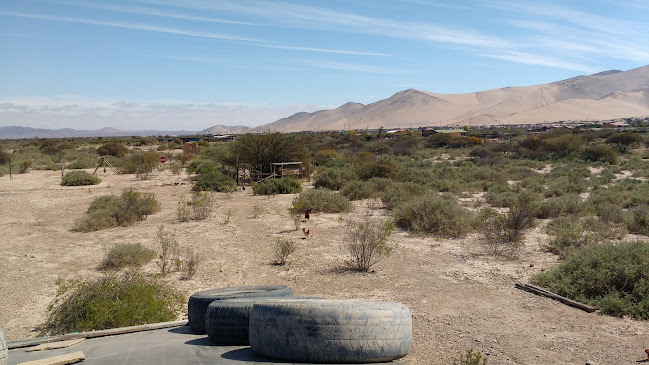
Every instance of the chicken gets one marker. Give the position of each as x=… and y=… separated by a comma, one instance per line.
x=646, y=351
x=307, y=215
x=306, y=231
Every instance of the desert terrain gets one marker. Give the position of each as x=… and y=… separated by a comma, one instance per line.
x=461, y=296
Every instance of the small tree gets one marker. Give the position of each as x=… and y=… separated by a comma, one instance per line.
x=367, y=243
x=623, y=140
x=112, y=149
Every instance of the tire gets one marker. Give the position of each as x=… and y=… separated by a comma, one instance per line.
x=227, y=321
x=331, y=331
x=198, y=302
x=4, y=349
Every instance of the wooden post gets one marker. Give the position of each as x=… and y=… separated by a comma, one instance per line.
x=62, y=166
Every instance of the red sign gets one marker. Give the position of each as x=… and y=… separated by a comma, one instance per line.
x=163, y=159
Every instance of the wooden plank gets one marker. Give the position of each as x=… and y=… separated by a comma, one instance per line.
x=58, y=360
x=91, y=334
x=55, y=345
x=544, y=292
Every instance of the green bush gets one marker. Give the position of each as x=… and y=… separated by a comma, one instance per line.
x=558, y=206
x=601, y=153
x=567, y=234
x=141, y=163
x=357, y=189
x=113, y=149
x=322, y=200
x=333, y=178
x=110, y=302
x=123, y=255
x=24, y=166
x=285, y=185
x=401, y=192
x=112, y=211
x=624, y=140
x=434, y=215
x=612, y=277
x=79, y=178
x=637, y=220
x=438, y=140
x=214, y=180
x=500, y=229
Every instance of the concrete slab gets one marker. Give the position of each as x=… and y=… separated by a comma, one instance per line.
x=169, y=346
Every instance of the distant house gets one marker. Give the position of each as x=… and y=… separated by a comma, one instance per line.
x=190, y=139
x=615, y=125
x=225, y=137
x=453, y=132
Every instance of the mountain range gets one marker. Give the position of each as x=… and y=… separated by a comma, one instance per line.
x=605, y=95
x=602, y=96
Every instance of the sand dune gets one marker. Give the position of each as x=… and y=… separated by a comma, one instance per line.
x=605, y=95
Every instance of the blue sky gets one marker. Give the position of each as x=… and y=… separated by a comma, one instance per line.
x=191, y=64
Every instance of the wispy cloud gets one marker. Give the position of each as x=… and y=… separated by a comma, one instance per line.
x=352, y=67
x=534, y=59
x=154, y=12
x=539, y=46
x=132, y=26
x=152, y=28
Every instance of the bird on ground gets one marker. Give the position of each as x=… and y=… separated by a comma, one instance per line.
x=306, y=231
x=307, y=215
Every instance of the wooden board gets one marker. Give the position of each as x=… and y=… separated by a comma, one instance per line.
x=55, y=345
x=58, y=360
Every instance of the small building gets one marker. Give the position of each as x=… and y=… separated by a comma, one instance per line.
x=281, y=169
x=615, y=125
x=225, y=137
x=452, y=132
x=190, y=148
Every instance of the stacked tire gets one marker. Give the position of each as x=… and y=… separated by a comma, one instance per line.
x=227, y=322
x=330, y=331
x=198, y=302
x=4, y=349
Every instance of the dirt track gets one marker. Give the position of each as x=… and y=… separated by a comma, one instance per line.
x=461, y=296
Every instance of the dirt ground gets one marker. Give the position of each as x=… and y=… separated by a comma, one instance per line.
x=461, y=296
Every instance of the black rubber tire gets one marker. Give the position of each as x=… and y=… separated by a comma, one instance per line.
x=227, y=321
x=4, y=350
x=198, y=302
x=331, y=331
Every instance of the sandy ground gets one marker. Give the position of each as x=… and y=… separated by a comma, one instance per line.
x=461, y=296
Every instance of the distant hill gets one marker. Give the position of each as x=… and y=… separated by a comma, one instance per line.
x=602, y=96
x=16, y=132
x=225, y=129
x=311, y=121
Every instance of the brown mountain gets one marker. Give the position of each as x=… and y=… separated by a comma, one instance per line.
x=312, y=121
x=601, y=96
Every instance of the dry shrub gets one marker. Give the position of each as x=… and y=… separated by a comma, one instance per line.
x=110, y=302
x=112, y=211
x=282, y=250
x=367, y=243
x=169, y=249
x=191, y=260
x=123, y=255
x=441, y=216
x=79, y=178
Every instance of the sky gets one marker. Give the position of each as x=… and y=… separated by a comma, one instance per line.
x=192, y=64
